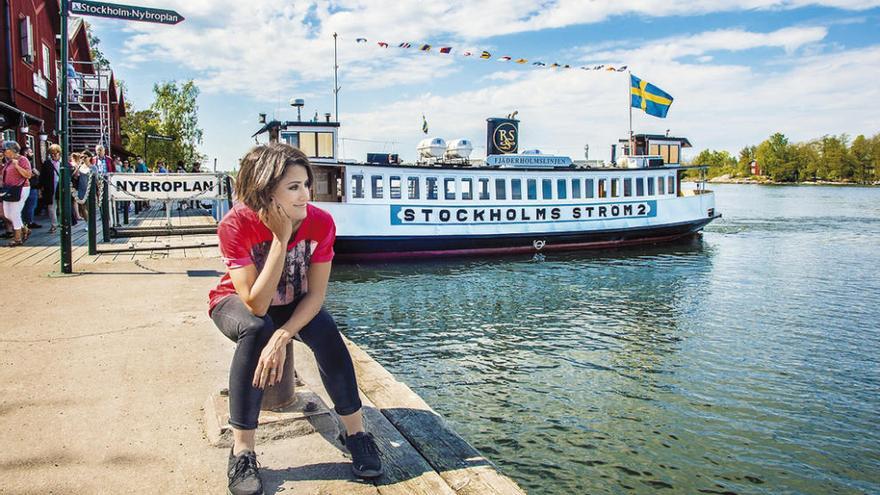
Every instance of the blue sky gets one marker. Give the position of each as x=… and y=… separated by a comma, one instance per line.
x=738, y=71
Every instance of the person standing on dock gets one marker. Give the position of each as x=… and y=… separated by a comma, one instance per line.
x=278, y=250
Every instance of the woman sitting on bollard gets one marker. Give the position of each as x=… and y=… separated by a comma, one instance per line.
x=278, y=250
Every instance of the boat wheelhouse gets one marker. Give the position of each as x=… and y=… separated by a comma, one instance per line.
x=511, y=203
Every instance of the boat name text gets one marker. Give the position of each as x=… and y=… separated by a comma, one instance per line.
x=432, y=215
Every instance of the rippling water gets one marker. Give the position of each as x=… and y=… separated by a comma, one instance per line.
x=744, y=362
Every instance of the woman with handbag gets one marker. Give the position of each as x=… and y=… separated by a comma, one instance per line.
x=15, y=189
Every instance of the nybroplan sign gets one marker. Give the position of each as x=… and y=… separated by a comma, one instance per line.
x=146, y=187
x=126, y=12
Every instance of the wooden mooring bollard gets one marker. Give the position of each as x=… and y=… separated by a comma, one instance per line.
x=282, y=394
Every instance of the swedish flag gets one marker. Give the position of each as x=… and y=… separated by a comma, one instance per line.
x=653, y=100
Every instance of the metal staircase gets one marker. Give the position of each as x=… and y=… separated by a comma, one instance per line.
x=89, y=107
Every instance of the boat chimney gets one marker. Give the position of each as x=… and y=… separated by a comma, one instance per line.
x=327, y=116
x=614, y=154
x=502, y=136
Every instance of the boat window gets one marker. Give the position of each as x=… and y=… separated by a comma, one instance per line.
x=484, y=189
x=377, y=186
x=467, y=189
x=532, y=187
x=515, y=189
x=670, y=187
x=449, y=187
x=394, y=186
x=673, y=154
x=357, y=186
x=575, y=188
x=602, y=185
x=547, y=189
x=589, y=189
x=615, y=188
x=412, y=186
x=291, y=138
x=307, y=143
x=640, y=186
x=650, y=186
x=561, y=190
x=500, y=189
x=431, y=186
x=325, y=145
x=627, y=187
x=661, y=186
x=654, y=150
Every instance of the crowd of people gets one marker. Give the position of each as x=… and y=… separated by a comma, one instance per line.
x=29, y=190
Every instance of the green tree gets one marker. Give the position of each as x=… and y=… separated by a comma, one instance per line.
x=807, y=160
x=776, y=157
x=174, y=112
x=743, y=165
x=178, y=110
x=835, y=164
x=860, y=151
x=94, y=42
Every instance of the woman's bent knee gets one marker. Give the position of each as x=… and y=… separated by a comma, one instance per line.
x=236, y=321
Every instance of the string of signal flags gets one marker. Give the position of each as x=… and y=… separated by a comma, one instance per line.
x=484, y=55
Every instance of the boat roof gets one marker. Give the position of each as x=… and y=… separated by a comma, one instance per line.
x=447, y=167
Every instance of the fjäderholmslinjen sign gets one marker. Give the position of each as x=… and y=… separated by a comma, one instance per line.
x=126, y=12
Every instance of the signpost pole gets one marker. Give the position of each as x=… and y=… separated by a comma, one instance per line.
x=64, y=178
x=99, y=9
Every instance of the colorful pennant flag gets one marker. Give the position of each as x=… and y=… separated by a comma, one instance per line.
x=653, y=100
x=486, y=56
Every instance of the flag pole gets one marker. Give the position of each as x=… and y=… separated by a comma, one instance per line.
x=335, y=80
x=629, y=104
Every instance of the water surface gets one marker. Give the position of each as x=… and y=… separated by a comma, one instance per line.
x=747, y=361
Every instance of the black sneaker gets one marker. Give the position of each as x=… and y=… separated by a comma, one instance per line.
x=365, y=462
x=244, y=474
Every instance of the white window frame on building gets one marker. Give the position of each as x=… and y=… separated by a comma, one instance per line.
x=26, y=39
x=47, y=62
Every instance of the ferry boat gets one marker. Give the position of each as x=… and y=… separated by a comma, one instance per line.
x=445, y=205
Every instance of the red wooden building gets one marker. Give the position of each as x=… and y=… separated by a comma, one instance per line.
x=30, y=75
x=28, y=71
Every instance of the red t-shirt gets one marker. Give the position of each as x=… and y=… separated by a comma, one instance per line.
x=11, y=176
x=245, y=240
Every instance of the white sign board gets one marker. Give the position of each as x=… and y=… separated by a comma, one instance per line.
x=146, y=187
x=527, y=161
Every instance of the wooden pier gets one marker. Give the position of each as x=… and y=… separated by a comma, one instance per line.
x=43, y=249
x=421, y=454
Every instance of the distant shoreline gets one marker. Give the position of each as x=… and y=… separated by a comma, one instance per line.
x=764, y=181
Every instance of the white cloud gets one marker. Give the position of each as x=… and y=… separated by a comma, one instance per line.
x=273, y=46
x=719, y=107
x=264, y=49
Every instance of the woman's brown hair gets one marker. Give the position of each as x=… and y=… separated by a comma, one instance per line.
x=261, y=169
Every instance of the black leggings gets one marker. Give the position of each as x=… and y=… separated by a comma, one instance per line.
x=252, y=333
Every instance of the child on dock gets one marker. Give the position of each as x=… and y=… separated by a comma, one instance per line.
x=278, y=250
